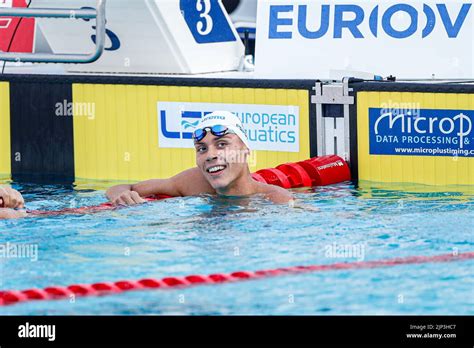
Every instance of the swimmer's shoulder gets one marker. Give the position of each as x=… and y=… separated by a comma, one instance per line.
x=192, y=182
x=276, y=194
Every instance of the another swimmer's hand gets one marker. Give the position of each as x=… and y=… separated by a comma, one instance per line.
x=12, y=214
x=10, y=198
x=128, y=198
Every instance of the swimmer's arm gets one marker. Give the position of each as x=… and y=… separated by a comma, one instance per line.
x=187, y=183
x=12, y=214
x=279, y=195
x=297, y=204
x=134, y=194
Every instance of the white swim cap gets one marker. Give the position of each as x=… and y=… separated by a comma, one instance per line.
x=227, y=119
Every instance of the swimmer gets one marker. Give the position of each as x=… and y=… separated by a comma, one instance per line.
x=222, y=149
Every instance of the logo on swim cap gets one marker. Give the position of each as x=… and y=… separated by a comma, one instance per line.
x=227, y=119
x=208, y=118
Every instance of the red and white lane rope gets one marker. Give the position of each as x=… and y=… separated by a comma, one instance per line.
x=107, y=288
x=88, y=210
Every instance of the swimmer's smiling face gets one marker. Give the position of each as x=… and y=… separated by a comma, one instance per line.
x=222, y=160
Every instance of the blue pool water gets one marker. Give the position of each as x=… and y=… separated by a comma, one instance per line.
x=203, y=235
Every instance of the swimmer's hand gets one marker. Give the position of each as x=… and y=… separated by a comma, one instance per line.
x=127, y=198
x=10, y=198
x=296, y=204
x=12, y=214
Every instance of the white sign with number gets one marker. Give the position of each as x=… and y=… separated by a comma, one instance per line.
x=150, y=36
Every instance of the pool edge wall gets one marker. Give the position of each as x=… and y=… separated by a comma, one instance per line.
x=120, y=143
x=39, y=145
x=5, y=149
x=391, y=168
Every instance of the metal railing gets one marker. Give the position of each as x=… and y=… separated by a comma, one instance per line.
x=98, y=14
x=333, y=133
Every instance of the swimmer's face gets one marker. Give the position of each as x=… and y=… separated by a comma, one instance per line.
x=222, y=160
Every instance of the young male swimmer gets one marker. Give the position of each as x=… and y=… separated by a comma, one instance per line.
x=222, y=149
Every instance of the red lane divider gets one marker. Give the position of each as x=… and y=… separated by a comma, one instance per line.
x=88, y=210
x=106, y=288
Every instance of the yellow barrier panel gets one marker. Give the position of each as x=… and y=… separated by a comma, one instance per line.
x=429, y=170
x=121, y=141
x=409, y=191
x=5, y=147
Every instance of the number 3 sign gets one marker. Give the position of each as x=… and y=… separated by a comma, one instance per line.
x=207, y=21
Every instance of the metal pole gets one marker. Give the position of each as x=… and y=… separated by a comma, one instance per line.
x=48, y=13
x=99, y=14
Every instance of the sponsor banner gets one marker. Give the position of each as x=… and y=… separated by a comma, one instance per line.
x=421, y=132
x=268, y=127
x=328, y=39
x=5, y=142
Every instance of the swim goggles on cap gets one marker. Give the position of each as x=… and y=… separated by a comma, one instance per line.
x=217, y=130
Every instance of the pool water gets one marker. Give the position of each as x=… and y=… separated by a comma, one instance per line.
x=204, y=235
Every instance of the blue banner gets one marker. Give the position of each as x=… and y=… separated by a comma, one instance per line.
x=207, y=21
x=421, y=132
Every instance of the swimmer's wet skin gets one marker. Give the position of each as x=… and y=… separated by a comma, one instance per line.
x=221, y=155
x=222, y=150
x=10, y=200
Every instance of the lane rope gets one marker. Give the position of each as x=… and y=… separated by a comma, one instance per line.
x=109, y=288
x=90, y=209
